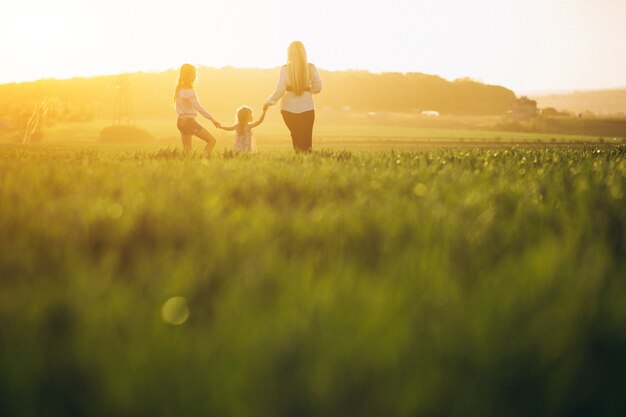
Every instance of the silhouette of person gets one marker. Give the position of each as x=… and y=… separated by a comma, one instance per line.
x=297, y=83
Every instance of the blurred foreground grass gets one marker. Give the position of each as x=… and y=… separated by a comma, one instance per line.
x=439, y=283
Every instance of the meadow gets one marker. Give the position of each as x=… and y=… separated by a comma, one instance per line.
x=348, y=132
x=461, y=281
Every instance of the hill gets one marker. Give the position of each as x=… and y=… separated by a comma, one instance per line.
x=223, y=89
x=599, y=102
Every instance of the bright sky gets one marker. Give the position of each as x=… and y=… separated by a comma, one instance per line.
x=526, y=45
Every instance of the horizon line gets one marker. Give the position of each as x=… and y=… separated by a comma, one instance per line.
x=540, y=92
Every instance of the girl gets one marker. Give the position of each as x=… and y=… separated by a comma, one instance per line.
x=244, y=139
x=298, y=81
x=187, y=106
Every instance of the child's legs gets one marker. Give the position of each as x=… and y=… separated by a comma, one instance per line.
x=208, y=138
x=186, y=142
x=187, y=128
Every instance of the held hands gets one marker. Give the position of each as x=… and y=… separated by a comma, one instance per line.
x=217, y=124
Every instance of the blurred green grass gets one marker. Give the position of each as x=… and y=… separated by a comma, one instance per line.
x=273, y=135
x=423, y=283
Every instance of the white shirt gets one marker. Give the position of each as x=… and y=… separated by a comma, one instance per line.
x=292, y=102
x=187, y=103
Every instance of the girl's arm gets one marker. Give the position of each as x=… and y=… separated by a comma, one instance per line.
x=258, y=122
x=280, y=89
x=230, y=128
x=193, y=98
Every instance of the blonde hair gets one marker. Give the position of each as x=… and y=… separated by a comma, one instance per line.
x=298, y=68
x=244, y=115
x=186, y=78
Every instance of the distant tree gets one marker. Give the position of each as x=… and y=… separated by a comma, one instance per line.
x=524, y=108
x=550, y=112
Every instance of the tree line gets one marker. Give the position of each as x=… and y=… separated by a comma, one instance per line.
x=224, y=89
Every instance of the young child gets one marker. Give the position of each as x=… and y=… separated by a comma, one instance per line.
x=187, y=107
x=244, y=139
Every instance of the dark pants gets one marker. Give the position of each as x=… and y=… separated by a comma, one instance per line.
x=301, y=127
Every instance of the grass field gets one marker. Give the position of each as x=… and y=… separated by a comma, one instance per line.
x=444, y=282
x=368, y=135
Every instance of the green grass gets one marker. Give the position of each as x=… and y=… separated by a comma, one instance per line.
x=423, y=283
x=273, y=135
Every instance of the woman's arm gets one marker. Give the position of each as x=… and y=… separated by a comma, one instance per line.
x=279, y=91
x=258, y=122
x=316, y=81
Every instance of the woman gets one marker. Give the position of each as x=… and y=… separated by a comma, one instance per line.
x=187, y=107
x=297, y=83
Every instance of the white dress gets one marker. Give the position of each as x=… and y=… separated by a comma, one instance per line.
x=243, y=141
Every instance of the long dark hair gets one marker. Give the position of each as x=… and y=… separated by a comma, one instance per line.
x=186, y=78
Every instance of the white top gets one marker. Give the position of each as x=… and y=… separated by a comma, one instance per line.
x=188, y=106
x=292, y=102
x=243, y=141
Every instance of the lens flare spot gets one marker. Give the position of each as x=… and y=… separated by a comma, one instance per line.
x=420, y=190
x=175, y=311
